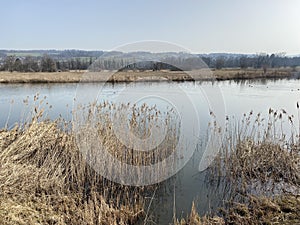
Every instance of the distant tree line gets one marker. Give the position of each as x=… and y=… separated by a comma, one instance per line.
x=45, y=63
x=117, y=61
x=263, y=61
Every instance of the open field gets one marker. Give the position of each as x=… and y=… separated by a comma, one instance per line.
x=197, y=75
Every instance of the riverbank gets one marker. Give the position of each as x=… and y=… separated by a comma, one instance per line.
x=45, y=179
x=130, y=76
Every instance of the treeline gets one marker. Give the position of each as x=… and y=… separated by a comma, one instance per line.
x=120, y=61
x=45, y=63
x=258, y=61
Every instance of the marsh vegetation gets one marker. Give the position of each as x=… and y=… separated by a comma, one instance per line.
x=46, y=179
x=142, y=76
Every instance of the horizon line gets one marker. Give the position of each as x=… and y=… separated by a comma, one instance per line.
x=196, y=53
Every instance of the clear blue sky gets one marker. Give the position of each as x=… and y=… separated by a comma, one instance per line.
x=203, y=26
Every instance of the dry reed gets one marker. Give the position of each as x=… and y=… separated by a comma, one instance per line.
x=45, y=180
x=259, y=168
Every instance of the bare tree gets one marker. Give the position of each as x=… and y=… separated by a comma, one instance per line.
x=48, y=64
x=244, y=62
x=30, y=64
x=220, y=61
x=9, y=63
x=18, y=65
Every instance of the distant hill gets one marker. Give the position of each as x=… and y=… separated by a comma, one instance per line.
x=225, y=55
x=73, y=53
x=57, y=54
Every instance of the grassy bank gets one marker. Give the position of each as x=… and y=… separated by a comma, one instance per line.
x=198, y=75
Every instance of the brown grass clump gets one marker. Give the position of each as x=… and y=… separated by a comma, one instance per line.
x=195, y=219
x=264, y=161
x=284, y=209
x=254, y=153
x=45, y=180
x=259, y=170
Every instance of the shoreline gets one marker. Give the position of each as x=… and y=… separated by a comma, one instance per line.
x=59, y=186
x=145, y=76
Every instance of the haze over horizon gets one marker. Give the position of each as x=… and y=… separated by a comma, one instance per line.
x=215, y=26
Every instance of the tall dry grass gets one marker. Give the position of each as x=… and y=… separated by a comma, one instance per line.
x=100, y=125
x=258, y=169
x=47, y=172
x=45, y=179
x=260, y=151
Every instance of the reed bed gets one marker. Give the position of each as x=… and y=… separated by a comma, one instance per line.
x=44, y=179
x=49, y=173
x=136, y=76
x=260, y=152
x=195, y=219
x=258, y=169
x=282, y=209
x=106, y=134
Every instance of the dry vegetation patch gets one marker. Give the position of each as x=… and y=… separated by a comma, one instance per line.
x=43, y=180
x=133, y=76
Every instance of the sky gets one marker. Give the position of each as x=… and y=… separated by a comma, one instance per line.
x=201, y=26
